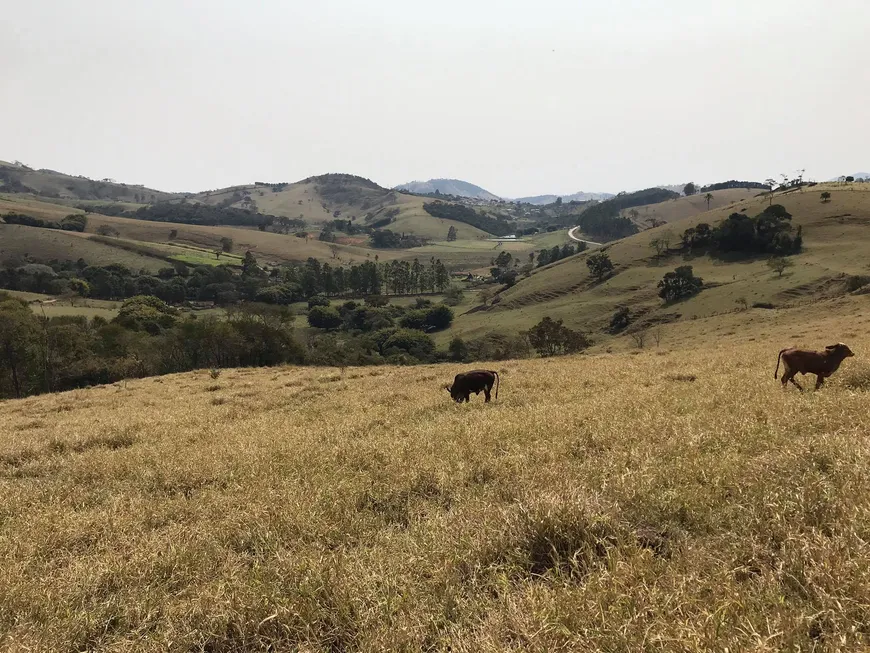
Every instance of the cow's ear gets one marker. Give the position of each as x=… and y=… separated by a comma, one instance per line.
x=448, y=388
x=832, y=347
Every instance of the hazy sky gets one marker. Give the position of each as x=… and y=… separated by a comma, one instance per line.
x=520, y=97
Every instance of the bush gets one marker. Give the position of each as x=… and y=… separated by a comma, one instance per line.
x=324, y=317
x=620, y=320
x=317, y=300
x=552, y=338
x=679, y=284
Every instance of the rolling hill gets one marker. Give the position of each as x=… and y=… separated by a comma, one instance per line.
x=686, y=207
x=50, y=184
x=320, y=199
x=836, y=248
x=455, y=187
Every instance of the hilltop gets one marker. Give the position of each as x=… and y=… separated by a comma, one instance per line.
x=50, y=184
x=455, y=187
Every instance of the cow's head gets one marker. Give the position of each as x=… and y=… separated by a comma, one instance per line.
x=840, y=350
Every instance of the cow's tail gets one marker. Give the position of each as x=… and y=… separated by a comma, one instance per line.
x=496, y=383
x=776, y=373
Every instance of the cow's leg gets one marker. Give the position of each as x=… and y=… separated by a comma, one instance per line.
x=486, y=390
x=795, y=383
x=820, y=379
x=467, y=397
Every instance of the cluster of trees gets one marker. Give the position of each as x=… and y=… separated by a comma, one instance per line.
x=377, y=314
x=386, y=239
x=769, y=232
x=226, y=286
x=73, y=222
x=556, y=253
x=348, y=227
x=185, y=212
x=461, y=213
x=733, y=183
x=680, y=284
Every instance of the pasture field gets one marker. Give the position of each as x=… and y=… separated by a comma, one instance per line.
x=18, y=243
x=669, y=499
x=68, y=306
x=687, y=207
x=16, y=203
x=836, y=247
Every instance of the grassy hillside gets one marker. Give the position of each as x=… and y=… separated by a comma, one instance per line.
x=53, y=184
x=669, y=500
x=18, y=243
x=836, y=245
x=317, y=199
x=687, y=207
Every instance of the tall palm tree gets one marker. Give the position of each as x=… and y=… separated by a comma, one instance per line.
x=708, y=197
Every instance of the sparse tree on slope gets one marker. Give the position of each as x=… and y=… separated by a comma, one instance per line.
x=599, y=265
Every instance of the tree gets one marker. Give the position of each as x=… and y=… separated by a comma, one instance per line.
x=451, y=234
x=826, y=197
x=558, y=201
x=708, y=197
x=690, y=189
x=551, y=338
x=620, y=320
x=849, y=179
x=249, y=264
x=599, y=265
x=458, y=349
x=226, y=245
x=679, y=284
x=324, y=317
x=107, y=230
x=779, y=264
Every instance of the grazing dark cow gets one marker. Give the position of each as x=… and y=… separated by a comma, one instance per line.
x=820, y=363
x=475, y=381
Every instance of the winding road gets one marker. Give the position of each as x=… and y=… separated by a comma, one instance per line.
x=580, y=240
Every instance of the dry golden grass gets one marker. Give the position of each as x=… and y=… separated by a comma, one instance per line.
x=670, y=500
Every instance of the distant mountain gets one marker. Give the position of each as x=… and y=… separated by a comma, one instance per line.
x=447, y=187
x=856, y=175
x=539, y=200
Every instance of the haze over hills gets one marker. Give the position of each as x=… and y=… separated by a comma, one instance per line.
x=581, y=196
x=455, y=187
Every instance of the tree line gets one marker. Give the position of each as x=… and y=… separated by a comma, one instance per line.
x=73, y=222
x=224, y=285
x=467, y=215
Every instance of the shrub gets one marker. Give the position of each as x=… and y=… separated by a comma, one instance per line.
x=552, y=338
x=679, y=284
x=324, y=317
x=620, y=320
x=317, y=300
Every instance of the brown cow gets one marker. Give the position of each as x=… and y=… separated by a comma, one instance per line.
x=820, y=363
x=475, y=381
